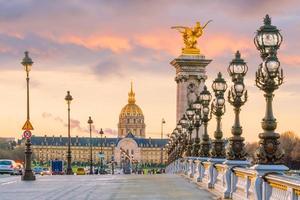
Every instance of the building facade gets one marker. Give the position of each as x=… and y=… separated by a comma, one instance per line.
x=131, y=143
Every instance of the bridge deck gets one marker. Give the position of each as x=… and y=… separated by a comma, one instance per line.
x=146, y=187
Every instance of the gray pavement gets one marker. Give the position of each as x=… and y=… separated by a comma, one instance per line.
x=121, y=187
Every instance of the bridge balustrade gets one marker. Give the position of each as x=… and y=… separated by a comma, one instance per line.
x=237, y=183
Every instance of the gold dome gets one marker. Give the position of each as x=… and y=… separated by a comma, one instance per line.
x=131, y=109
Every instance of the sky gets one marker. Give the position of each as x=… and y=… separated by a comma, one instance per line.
x=95, y=48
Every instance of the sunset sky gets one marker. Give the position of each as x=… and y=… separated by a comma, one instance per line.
x=95, y=48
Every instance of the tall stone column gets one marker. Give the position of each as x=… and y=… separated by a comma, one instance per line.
x=190, y=78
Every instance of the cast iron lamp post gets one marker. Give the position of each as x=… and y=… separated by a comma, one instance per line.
x=205, y=98
x=162, y=135
x=269, y=77
x=90, y=122
x=112, y=158
x=184, y=139
x=219, y=87
x=68, y=99
x=190, y=112
x=237, y=97
x=180, y=139
x=101, y=152
x=28, y=174
x=197, y=123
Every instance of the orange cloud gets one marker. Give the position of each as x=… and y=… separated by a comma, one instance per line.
x=290, y=59
x=114, y=43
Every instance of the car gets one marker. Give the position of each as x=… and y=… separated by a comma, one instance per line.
x=8, y=167
x=46, y=171
x=37, y=170
x=80, y=171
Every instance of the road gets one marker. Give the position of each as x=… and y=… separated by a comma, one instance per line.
x=104, y=187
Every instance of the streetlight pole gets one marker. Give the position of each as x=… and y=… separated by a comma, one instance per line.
x=197, y=123
x=90, y=122
x=68, y=99
x=269, y=77
x=28, y=174
x=237, y=97
x=112, y=159
x=205, y=98
x=190, y=113
x=162, y=135
x=101, y=149
x=219, y=87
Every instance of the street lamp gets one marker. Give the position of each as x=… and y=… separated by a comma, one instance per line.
x=205, y=98
x=90, y=122
x=197, y=123
x=162, y=135
x=269, y=77
x=112, y=158
x=101, y=149
x=190, y=112
x=219, y=87
x=267, y=38
x=237, y=97
x=28, y=174
x=184, y=139
x=68, y=99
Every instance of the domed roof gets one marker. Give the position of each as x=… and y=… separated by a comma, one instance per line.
x=131, y=109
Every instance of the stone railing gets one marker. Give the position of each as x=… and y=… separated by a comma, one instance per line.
x=236, y=182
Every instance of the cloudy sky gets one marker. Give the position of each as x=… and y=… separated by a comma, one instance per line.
x=95, y=48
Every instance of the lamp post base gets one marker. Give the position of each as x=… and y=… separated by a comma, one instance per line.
x=70, y=171
x=28, y=176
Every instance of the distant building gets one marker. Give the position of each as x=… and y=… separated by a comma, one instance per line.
x=130, y=144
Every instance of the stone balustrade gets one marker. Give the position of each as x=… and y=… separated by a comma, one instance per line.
x=235, y=182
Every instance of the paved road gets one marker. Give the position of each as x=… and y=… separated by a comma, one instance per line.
x=120, y=187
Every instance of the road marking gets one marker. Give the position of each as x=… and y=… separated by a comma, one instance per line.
x=7, y=183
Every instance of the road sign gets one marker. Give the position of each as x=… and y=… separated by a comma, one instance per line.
x=101, y=155
x=27, y=134
x=27, y=126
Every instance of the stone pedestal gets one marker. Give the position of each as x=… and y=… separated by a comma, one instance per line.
x=212, y=170
x=190, y=77
x=229, y=164
x=262, y=170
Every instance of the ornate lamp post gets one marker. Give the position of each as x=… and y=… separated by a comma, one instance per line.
x=101, y=152
x=237, y=97
x=197, y=123
x=269, y=77
x=28, y=174
x=90, y=122
x=184, y=139
x=68, y=99
x=112, y=158
x=218, y=109
x=190, y=112
x=162, y=134
x=205, y=98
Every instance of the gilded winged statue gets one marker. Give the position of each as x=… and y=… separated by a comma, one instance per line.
x=190, y=36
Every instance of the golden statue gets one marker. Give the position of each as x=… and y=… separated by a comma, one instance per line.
x=190, y=36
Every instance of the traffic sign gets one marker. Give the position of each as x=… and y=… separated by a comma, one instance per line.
x=27, y=126
x=27, y=134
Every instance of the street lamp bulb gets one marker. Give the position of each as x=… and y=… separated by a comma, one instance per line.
x=101, y=132
x=68, y=97
x=220, y=102
x=239, y=88
x=205, y=110
x=90, y=121
x=27, y=62
x=219, y=85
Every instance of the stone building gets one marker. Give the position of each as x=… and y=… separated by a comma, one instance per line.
x=131, y=142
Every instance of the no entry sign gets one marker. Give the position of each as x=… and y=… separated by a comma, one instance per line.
x=27, y=134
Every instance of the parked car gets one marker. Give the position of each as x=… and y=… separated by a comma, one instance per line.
x=37, y=170
x=8, y=167
x=80, y=171
x=46, y=171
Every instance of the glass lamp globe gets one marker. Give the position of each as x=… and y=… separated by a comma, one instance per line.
x=205, y=110
x=205, y=96
x=190, y=112
x=183, y=121
x=267, y=37
x=219, y=85
x=197, y=104
x=239, y=88
x=271, y=66
x=237, y=67
x=220, y=102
